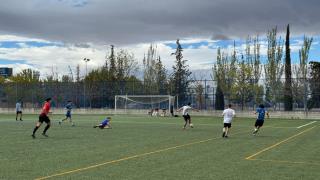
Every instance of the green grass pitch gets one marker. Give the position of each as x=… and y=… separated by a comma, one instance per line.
x=147, y=148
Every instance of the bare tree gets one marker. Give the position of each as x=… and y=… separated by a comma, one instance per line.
x=274, y=66
x=304, y=58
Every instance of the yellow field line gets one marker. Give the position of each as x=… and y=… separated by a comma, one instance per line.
x=278, y=143
x=130, y=157
x=288, y=162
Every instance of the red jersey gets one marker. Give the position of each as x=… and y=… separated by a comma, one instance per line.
x=46, y=108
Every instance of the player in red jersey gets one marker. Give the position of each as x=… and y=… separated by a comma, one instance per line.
x=43, y=117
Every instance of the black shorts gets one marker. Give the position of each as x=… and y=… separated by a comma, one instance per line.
x=227, y=125
x=68, y=114
x=19, y=112
x=186, y=117
x=44, y=118
x=259, y=123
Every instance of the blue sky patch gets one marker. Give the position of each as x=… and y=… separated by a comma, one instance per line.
x=5, y=61
x=74, y=3
x=294, y=42
x=188, y=45
x=20, y=44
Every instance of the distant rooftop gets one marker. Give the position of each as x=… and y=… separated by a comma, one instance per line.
x=5, y=72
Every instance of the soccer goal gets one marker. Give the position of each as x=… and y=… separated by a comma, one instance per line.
x=143, y=104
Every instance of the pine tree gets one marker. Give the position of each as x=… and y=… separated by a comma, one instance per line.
x=161, y=77
x=180, y=77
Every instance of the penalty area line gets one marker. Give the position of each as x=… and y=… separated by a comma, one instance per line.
x=286, y=162
x=306, y=124
x=131, y=157
x=278, y=143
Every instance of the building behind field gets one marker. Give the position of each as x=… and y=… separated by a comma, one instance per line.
x=5, y=72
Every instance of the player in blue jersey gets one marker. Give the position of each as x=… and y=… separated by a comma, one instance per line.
x=68, y=113
x=261, y=111
x=105, y=124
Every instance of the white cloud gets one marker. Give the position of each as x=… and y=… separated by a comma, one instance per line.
x=47, y=59
x=56, y=59
x=200, y=58
x=20, y=38
x=53, y=58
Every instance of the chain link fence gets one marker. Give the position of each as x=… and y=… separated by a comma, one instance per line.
x=201, y=93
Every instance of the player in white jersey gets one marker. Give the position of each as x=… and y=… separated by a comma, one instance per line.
x=186, y=115
x=19, y=110
x=228, y=115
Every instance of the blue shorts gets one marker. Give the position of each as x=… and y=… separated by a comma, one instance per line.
x=104, y=124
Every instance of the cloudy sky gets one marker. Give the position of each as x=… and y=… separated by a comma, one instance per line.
x=50, y=35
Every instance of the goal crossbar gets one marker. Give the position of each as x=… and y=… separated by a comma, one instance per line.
x=144, y=100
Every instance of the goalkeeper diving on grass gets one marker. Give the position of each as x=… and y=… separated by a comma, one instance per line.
x=105, y=124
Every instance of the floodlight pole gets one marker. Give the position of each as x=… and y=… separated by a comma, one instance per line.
x=169, y=108
x=86, y=60
x=115, y=104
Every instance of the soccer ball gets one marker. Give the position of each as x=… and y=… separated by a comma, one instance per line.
x=191, y=125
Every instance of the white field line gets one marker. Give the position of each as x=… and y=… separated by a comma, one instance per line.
x=306, y=124
x=200, y=124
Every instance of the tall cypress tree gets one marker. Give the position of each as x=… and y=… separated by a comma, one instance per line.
x=219, y=71
x=219, y=103
x=288, y=99
x=112, y=62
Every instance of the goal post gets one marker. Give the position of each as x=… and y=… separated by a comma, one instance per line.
x=139, y=104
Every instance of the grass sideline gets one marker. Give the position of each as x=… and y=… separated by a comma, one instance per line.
x=157, y=148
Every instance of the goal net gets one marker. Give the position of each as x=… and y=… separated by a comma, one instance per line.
x=143, y=104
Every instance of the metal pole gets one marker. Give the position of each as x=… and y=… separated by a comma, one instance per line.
x=86, y=60
x=177, y=102
x=115, y=104
x=205, y=94
x=169, y=108
x=305, y=98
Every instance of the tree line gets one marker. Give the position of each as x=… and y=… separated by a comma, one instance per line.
x=238, y=74
x=241, y=74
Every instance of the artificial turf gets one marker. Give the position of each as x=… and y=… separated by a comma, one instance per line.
x=146, y=148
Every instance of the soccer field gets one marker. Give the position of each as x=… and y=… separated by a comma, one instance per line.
x=147, y=148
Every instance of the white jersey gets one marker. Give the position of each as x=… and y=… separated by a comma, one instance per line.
x=185, y=110
x=228, y=114
x=18, y=107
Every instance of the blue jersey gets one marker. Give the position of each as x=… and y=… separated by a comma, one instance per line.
x=105, y=122
x=261, y=113
x=69, y=107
